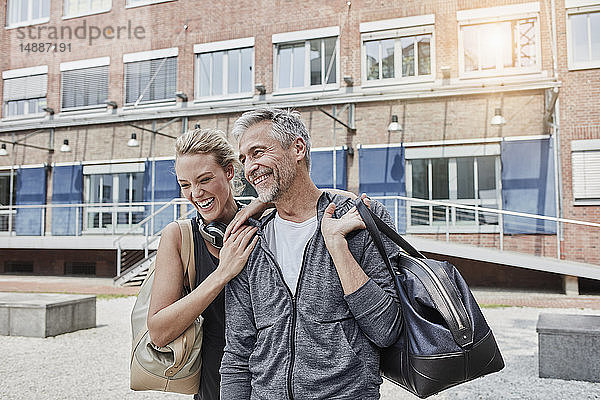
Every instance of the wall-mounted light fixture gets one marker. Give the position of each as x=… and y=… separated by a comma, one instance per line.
x=394, y=126
x=3, y=151
x=110, y=103
x=65, y=148
x=348, y=80
x=498, y=119
x=133, y=141
x=49, y=110
x=261, y=88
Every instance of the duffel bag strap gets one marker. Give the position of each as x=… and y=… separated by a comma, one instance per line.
x=377, y=225
x=367, y=216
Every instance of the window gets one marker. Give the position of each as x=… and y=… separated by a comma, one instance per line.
x=76, y=8
x=24, y=94
x=224, y=70
x=80, y=268
x=470, y=180
x=27, y=12
x=489, y=46
x=121, y=189
x=305, y=59
x=150, y=76
x=397, y=51
x=7, y=217
x=18, y=267
x=583, y=30
x=84, y=87
x=585, y=157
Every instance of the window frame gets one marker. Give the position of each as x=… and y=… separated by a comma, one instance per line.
x=578, y=8
x=397, y=29
x=10, y=213
x=583, y=146
x=23, y=73
x=452, y=153
x=305, y=37
x=149, y=56
x=223, y=46
x=91, y=12
x=29, y=21
x=497, y=15
x=113, y=169
x=81, y=65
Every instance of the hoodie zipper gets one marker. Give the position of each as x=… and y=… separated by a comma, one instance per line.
x=290, y=389
x=294, y=318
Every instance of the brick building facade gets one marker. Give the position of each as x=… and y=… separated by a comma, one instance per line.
x=441, y=69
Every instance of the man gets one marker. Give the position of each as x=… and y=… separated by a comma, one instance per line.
x=304, y=320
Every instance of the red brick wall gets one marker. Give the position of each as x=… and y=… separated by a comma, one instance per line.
x=52, y=262
x=579, y=102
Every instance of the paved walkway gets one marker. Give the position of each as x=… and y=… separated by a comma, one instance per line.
x=63, y=284
x=104, y=286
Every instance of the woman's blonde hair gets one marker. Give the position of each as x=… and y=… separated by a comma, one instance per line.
x=211, y=141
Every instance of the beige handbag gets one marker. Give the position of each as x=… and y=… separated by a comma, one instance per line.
x=175, y=367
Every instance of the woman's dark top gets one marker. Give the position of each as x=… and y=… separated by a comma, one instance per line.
x=213, y=340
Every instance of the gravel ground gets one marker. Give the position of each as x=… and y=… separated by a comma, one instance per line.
x=94, y=363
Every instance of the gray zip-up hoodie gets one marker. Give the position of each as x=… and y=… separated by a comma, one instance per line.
x=318, y=344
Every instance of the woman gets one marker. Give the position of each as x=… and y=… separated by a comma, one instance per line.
x=205, y=166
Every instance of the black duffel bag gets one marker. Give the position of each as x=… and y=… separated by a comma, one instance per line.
x=445, y=339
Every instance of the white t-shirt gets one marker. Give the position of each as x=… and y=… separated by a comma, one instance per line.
x=287, y=241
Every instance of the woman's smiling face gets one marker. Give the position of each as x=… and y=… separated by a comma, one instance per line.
x=206, y=185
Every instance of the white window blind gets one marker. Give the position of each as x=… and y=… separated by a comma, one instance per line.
x=25, y=87
x=152, y=79
x=85, y=87
x=586, y=174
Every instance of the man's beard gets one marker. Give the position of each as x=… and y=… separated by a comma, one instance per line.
x=282, y=180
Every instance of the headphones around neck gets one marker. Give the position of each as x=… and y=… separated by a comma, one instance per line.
x=213, y=232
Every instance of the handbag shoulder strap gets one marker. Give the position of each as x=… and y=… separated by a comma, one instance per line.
x=187, y=251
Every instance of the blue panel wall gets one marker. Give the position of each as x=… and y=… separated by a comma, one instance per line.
x=321, y=170
x=166, y=188
x=30, y=189
x=381, y=173
x=67, y=188
x=528, y=185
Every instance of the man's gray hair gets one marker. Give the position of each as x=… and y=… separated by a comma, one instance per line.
x=286, y=126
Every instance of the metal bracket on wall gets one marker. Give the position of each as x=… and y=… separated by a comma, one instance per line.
x=350, y=125
x=157, y=131
x=18, y=142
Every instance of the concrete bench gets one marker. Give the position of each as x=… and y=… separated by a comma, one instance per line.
x=45, y=314
x=569, y=346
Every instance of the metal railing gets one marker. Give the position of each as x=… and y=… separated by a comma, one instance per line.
x=434, y=217
x=454, y=221
x=80, y=219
